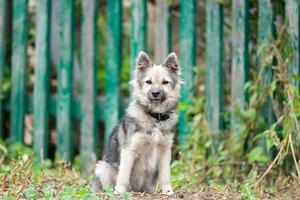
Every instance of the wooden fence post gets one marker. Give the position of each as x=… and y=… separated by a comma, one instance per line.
x=293, y=17
x=88, y=133
x=138, y=28
x=3, y=14
x=19, y=63
x=214, y=90
x=187, y=60
x=161, y=46
x=112, y=69
x=41, y=85
x=240, y=54
x=265, y=35
x=64, y=88
x=170, y=30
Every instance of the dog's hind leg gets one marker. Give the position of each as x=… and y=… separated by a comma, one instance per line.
x=105, y=175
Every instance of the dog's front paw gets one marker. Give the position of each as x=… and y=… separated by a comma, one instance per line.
x=120, y=189
x=167, y=190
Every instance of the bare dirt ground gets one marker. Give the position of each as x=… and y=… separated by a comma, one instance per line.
x=291, y=192
x=204, y=193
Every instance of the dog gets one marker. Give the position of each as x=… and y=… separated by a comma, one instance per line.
x=138, y=153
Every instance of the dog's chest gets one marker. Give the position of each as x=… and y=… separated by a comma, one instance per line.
x=149, y=147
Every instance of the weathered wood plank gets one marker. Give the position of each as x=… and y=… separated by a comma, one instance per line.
x=170, y=31
x=41, y=86
x=240, y=54
x=113, y=65
x=161, y=46
x=3, y=13
x=88, y=96
x=214, y=90
x=76, y=111
x=138, y=28
x=19, y=62
x=64, y=87
x=293, y=17
x=187, y=59
x=265, y=35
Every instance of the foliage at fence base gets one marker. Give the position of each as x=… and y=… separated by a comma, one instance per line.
x=222, y=161
x=254, y=157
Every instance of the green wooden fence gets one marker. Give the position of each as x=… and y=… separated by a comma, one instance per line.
x=90, y=108
x=42, y=73
x=3, y=8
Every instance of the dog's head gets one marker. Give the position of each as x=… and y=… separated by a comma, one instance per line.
x=157, y=87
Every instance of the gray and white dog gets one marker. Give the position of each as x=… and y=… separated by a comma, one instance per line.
x=139, y=148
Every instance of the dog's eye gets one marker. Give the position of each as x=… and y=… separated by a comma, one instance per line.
x=149, y=82
x=165, y=82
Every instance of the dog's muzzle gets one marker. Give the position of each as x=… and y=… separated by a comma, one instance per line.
x=156, y=95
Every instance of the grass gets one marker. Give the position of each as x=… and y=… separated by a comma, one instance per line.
x=22, y=178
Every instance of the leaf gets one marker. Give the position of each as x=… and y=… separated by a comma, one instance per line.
x=30, y=193
x=261, y=49
x=182, y=106
x=126, y=195
x=67, y=192
x=270, y=142
x=3, y=148
x=257, y=155
x=249, y=114
x=108, y=189
x=248, y=193
x=5, y=168
x=48, y=192
x=272, y=88
x=287, y=126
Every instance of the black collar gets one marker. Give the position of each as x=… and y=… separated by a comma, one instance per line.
x=159, y=116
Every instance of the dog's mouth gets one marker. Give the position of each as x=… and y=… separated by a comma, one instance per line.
x=157, y=99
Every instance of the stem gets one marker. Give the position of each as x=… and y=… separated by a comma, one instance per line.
x=290, y=97
x=294, y=155
x=283, y=144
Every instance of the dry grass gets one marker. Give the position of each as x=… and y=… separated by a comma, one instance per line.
x=204, y=193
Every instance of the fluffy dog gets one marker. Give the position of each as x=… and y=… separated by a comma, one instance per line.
x=139, y=150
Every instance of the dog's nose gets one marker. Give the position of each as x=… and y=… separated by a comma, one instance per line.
x=155, y=93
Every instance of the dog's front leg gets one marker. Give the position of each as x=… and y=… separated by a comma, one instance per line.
x=164, y=172
x=127, y=158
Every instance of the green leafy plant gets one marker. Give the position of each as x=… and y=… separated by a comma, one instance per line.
x=255, y=156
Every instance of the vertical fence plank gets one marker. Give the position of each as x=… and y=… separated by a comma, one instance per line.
x=239, y=56
x=214, y=65
x=18, y=70
x=187, y=59
x=64, y=123
x=170, y=30
x=138, y=28
x=113, y=59
x=3, y=13
x=41, y=86
x=88, y=97
x=265, y=35
x=293, y=17
x=161, y=32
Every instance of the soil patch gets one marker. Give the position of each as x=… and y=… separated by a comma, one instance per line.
x=205, y=193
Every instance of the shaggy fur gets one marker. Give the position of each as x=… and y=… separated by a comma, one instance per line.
x=139, y=148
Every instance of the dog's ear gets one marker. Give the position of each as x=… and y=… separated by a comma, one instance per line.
x=143, y=61
x=171, y=63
